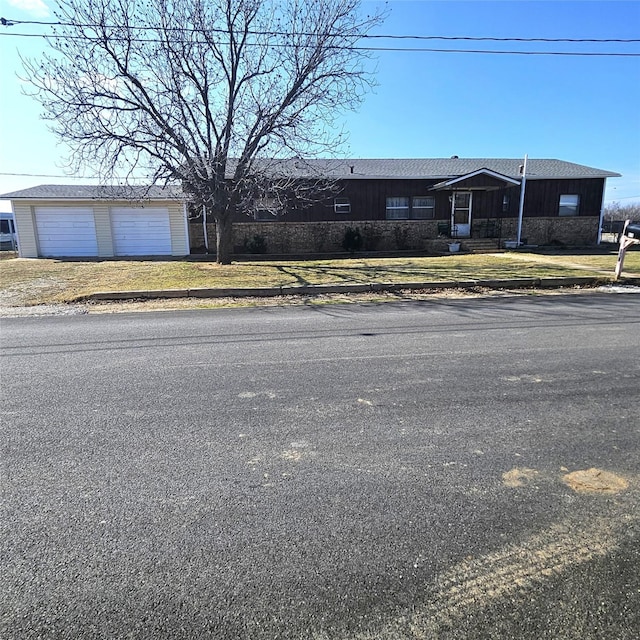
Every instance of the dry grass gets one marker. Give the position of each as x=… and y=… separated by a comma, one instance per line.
x=30, y=281
x=604, y=262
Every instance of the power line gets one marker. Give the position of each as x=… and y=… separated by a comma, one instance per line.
x=498, y=52
x=9, y=22
x=605, y=54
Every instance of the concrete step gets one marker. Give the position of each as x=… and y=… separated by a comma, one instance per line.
x=481, y=245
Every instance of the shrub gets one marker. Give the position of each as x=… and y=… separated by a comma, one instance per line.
x=352, y=240
x=258, y=244
x=371, y=238
x=402, y=238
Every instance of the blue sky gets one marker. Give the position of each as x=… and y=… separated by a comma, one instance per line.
x=427, y=104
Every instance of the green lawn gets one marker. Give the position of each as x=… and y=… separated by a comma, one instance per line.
x=30, y=281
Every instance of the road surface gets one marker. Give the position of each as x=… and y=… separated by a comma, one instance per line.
x=341, y=472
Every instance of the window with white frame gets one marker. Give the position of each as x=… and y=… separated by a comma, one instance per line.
x=398, y=208
x=569, y=203
x=341, y=204
x=266, y=210
x=423, y=207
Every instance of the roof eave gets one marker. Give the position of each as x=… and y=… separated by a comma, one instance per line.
x=507, y=180
x=50, y=198
x=608, y=174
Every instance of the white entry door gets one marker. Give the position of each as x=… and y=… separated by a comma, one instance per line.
x=66, y=232
x=461, y=203
x=140, y=232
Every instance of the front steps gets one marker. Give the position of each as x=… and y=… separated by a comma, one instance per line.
x=481, y=245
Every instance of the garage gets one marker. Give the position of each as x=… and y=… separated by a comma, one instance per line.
x=140, y=231
x=66, y=231
x=100, y=220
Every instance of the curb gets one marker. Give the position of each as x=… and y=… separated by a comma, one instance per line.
x=263, y=292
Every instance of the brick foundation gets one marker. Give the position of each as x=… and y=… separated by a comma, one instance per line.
x=299, y=238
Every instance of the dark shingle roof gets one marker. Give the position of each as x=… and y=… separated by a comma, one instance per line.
x=444, y=168
x=355, y=168
x=95, y=192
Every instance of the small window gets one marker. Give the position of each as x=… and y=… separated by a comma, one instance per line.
x=506, y=201
x=264, y=215
x=4, y=226
x=341, y=205
x=397, y=208
x=266, y=210
x=423, y=207
x=569, y=205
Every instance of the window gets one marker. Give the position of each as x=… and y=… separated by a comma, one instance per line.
x=4, y=226
x=423, y=207
x=397, y=208
x=506, y=200
x=568, y=205
x=265, y=210
x=341, y=205
x=264, y=215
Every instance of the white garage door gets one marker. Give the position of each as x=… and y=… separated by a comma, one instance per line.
x=66, y=231
x=140, y=232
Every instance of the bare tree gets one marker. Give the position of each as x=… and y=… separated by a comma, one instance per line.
x=203, y=92
x=617, y=211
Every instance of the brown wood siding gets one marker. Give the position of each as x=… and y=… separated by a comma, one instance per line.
x=488, y=204
x=368, y=199
x=543, y=196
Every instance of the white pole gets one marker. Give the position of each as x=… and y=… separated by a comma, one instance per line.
x=601, y=222
x=204, y=228
x=523, y=185
x=185, y=216
x=453, y=218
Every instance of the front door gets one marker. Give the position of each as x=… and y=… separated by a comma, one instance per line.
x=461, y=214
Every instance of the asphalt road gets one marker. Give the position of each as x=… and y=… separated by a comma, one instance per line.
x=341, y=472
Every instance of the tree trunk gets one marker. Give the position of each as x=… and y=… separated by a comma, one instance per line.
x=224, y=240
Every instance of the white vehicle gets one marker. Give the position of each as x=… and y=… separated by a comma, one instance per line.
x=8, y=235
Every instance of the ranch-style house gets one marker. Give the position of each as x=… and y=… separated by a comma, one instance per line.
x=393, y=204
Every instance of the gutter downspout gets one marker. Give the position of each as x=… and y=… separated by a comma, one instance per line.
x=204, y=228
x=523, y=185
x=15, y=239
x=601, y=221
